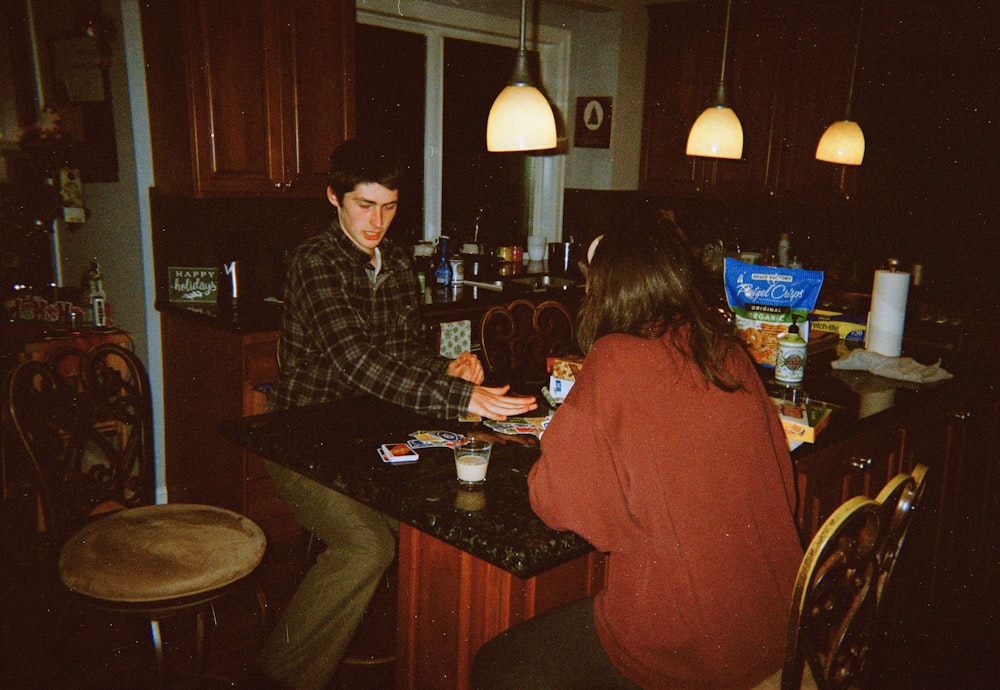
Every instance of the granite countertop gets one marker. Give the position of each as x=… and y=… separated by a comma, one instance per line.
x=330, y=444
x=336, y=445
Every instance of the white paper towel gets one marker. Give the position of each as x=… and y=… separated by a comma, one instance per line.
x=888, y=313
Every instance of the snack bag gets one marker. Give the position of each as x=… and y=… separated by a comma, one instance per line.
x=764, y=299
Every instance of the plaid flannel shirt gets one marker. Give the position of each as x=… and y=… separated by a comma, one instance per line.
x=345, y=332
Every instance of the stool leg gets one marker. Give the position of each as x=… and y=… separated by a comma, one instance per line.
x=262, y=604
x=161, y=670
x=199, y=650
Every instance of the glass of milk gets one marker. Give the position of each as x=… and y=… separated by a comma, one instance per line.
x=472, y=457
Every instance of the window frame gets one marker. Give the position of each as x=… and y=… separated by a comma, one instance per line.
x=547, y=171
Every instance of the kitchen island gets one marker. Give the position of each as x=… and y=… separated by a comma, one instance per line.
x=471, y=563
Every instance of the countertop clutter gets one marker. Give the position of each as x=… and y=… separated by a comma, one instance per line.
x=459, y=301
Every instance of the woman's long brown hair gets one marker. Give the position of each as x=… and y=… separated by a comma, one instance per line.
x=640, y=283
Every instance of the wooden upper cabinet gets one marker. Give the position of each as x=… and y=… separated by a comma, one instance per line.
x=787, y=75
x=821, y=55
x=248, y=98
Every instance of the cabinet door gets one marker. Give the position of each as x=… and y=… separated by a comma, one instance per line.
x=939, y=439
x=818, y=82
x=235, y=95
x=860, y=465
x=788, y=69
x=248, y=98
x=680, y=80
x=317, y=89
x=684, y=62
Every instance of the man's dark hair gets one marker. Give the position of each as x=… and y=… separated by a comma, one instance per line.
x=360, y=161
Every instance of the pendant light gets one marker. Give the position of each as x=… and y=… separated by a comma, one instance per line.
x=843, y=142
x=521, y=118
x=717, y=133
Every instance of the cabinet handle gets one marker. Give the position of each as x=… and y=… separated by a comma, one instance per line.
x=859, y=463
x=278, y=184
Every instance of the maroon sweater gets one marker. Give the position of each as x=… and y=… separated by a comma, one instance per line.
x=690, y=489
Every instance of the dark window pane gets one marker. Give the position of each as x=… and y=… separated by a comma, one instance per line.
x=391, y=74
x=474, y=73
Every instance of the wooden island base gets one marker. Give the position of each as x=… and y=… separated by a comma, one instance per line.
x=451, y=603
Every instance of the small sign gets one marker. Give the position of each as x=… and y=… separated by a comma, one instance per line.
x=593, y=122
x=198, y=284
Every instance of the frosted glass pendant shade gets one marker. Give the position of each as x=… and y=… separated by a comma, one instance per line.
x=521, y=119
x=717, y=133
x=843, y=142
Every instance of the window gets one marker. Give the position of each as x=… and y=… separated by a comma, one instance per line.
x=389, y=91
x=429, y=85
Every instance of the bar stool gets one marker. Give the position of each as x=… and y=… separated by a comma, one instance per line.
x=88, y=437
x=162, y=561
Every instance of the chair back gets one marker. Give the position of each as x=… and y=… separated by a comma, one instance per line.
x=87, y=432
x=516, y=339
x=898, y=500
x=840, y=592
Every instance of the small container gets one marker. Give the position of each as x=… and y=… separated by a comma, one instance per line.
x=472, y=458
x=784, y=245
x=560, y=257
x=457, y=270
x=442, y=272
x=790, y=365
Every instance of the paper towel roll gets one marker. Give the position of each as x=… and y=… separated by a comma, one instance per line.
x=888, y=313
x=873, y=403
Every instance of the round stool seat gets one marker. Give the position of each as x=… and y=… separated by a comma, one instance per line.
x=161, y=552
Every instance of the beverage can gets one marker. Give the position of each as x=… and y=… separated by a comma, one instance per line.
x=457, y=271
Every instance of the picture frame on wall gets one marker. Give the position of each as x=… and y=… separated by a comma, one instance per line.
x=593, y=122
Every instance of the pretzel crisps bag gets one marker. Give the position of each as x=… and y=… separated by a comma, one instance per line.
x=764, y=300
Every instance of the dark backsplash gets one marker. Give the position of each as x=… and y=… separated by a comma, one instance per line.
x=846, y=242
x=258, y=232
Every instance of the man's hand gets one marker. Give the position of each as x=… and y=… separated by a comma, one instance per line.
x=492, y=403
x=468, y=367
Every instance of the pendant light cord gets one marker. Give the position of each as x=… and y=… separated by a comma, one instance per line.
x=521, y=75
x=523, y=7
x=854, y=66
x=720, y=95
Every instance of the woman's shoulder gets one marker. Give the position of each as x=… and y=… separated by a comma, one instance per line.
x=617, y=343
x=615, y=350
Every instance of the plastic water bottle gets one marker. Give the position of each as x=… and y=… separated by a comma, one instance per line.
x=442, y=267
x=784, y=244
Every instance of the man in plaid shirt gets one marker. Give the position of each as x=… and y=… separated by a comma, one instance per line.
x=352, y=326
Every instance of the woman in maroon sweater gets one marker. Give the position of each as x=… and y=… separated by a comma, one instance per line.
x=667, y=454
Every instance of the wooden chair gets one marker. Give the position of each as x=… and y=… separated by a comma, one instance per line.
x=517, y=338
x=839, y=601
x=898, y=500
x=88, y=437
